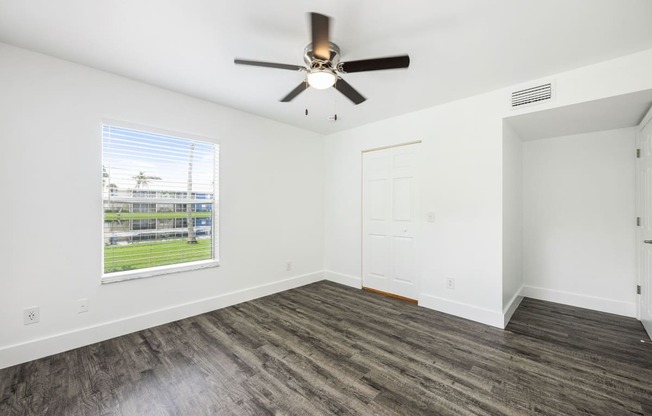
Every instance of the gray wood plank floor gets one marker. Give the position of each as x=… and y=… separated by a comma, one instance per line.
x=327, y=349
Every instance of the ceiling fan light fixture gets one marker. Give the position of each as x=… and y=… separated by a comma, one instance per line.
x=323, y=65
x=321, y=79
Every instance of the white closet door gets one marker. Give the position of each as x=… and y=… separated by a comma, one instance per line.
x=390, y=226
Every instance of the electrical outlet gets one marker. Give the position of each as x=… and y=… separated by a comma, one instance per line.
x=82, y=305
x=31, y=315
x=431, y=216
x=288, y=266
x=450, y=283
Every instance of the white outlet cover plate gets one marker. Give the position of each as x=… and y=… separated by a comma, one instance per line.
x=82, y=305
x=31, y=315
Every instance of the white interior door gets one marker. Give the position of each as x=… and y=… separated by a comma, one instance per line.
x=644, y=234
x=390, y=226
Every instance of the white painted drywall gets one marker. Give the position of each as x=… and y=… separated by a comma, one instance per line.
x=462, y=182
x=271, y=204
x=461, y=179
x=578, y=227
x=512, y=218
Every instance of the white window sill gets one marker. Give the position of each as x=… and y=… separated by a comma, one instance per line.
x=157, y=271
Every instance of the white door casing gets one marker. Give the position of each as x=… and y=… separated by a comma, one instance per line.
x=644, y=231
x=390, y=225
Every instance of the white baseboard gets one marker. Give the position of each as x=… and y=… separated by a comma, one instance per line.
x=582, y=301
x=343, y=279
x=511, y=307
x=54, y=344
x=463, y=310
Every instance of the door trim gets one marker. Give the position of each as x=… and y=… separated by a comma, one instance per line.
x=390, y=146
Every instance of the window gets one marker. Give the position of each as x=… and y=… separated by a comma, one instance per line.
x=160, y=203
x=180, y=223
x=149, y=224
x=144, y=208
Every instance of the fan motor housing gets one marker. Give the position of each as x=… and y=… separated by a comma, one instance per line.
x=314, y=62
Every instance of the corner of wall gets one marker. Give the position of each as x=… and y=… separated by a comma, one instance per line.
x=462, y=310
x=511, y=306
x=343, y=279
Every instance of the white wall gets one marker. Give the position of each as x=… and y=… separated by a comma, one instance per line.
x=512, y=220
x=50, y=113
x=578, y=229
x=462, y=183
x=461, y=179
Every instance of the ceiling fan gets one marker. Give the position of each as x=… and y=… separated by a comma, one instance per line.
x=323, y=67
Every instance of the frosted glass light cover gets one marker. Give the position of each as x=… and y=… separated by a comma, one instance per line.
x=321, y=79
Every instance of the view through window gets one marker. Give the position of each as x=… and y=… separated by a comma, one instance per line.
x=159, y=193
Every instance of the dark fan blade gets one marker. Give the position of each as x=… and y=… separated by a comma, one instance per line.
x=269, y=64
x=298, y=90
x=376, y=64
x=350, y=92
x=320, y=45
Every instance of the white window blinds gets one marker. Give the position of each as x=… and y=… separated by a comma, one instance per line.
x=160, y=202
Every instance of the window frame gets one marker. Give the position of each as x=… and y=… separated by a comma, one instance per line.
x=114, y=277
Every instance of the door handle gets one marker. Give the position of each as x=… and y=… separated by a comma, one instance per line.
x=647, y=241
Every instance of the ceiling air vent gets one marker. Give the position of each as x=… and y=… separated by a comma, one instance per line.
x=532, y=95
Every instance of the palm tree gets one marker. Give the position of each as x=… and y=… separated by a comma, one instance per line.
x=192, y=237
x=143, y=180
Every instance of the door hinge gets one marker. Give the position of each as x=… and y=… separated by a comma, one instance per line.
x=638, y=221
x=638, y=289
x=638, y=153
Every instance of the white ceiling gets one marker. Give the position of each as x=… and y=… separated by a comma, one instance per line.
x=457, y=48
x=616, y=112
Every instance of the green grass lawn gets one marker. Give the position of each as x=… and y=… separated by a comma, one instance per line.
x=112, y=216
x=151, y=254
